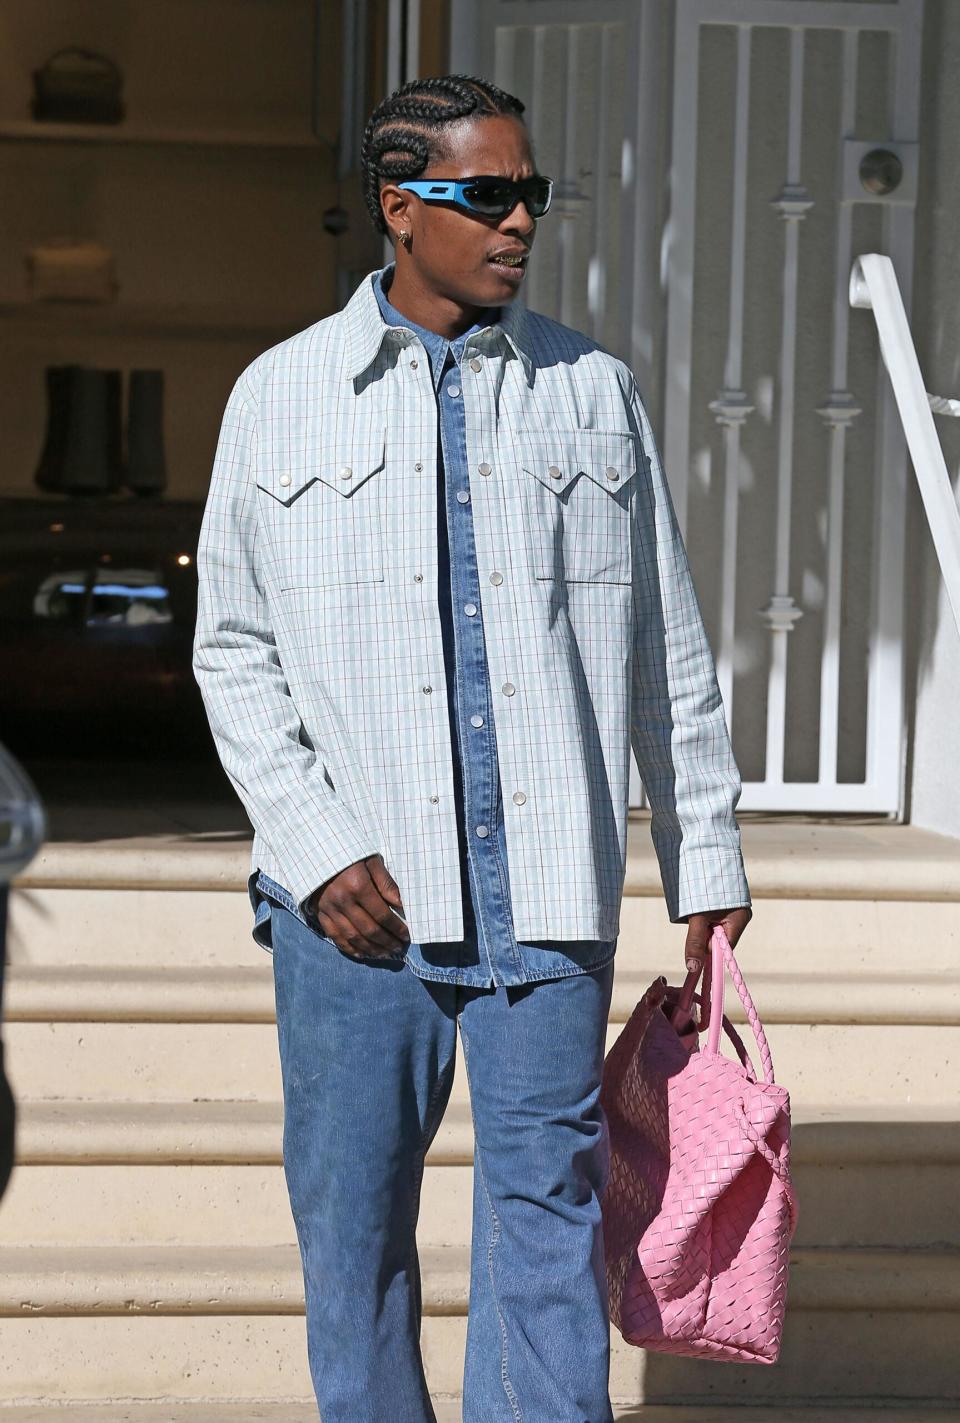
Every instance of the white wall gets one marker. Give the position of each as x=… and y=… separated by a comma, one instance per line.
x=932, y=640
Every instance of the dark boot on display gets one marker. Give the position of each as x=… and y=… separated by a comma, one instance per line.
x=115, y=428
x=146, y=471
x=49, y=471
x=88, y=465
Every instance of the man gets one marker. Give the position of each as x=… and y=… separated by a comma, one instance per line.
x=441, y=590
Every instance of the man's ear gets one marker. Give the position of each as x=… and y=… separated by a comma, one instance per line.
x=395, y=208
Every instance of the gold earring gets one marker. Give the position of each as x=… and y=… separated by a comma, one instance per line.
x=405, y=237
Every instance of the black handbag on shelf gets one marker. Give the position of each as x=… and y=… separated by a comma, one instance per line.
x=78, y=86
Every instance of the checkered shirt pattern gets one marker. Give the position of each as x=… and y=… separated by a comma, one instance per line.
x=318, y=641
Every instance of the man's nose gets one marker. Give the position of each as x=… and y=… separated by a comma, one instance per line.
x=520, y=220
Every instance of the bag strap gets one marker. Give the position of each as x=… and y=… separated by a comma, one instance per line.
x=721, y=956
x=686, y=999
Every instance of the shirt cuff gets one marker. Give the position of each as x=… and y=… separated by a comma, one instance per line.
x=699, y=881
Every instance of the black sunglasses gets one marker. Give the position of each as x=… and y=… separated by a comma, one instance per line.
x=487, y=194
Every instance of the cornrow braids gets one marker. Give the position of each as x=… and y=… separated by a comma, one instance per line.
x=405, y=132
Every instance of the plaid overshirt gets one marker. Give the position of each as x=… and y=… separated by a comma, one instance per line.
x=318, y=642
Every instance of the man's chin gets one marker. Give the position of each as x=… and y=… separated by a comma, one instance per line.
x=495, y=290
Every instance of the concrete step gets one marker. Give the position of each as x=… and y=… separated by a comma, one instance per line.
x=447, y=1411
x=63, y=924
x=219, y=1205
x=823, y=891
x=162, y=1133
x=828, y=1362
x=861, y=1325
x=898, y=1063
x=846, y=857
x=224, y=994
x=245, y=1133
x=193, y=1279
x=106, y=1174
x=208, y=928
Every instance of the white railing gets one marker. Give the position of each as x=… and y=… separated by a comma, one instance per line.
x=873, y=284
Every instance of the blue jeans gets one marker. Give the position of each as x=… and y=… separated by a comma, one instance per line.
x=367, y=1052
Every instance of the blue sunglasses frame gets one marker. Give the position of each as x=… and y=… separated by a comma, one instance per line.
x=439, y=190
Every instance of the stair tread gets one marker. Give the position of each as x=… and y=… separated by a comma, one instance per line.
x=250, y=1132
x=188, y=993
x=785, y=856
x=154, y=1280
x=447, y=1411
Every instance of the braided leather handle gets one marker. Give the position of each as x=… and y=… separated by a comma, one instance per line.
x=722, y=955
x=690, y=1028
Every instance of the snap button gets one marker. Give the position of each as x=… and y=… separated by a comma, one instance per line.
x=284, y=480
x=418, y=578
x=434, y=799
x=418, y=466
x=470, y=609
x=476, y=719
x=496, y=578
x=508, y=689
x=612, y=473
x=476, y=366
x=554, y=473
x=484, y=469
x=414, y=364
x=462, y=496
x=426, y=688
x=346, y=472
x=483, y=830
x=518, y=797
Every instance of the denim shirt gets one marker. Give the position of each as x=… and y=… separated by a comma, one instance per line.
x=489, y=954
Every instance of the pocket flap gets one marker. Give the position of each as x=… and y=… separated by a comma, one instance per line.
x=348, y=464
x=557, y=457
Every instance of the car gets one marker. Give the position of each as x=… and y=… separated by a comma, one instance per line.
x=98, y=600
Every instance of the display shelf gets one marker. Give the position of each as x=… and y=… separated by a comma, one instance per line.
x=138, y=134
x=138, y=319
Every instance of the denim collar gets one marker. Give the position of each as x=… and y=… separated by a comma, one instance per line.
x=366, y=328
x=437, y=346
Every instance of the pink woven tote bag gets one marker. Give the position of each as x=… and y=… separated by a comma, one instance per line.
x=699, y=1209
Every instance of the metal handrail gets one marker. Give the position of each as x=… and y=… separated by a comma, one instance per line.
x=943, y=405
x=874, y=286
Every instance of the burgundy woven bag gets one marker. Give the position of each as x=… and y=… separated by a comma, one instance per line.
x=699, y=1208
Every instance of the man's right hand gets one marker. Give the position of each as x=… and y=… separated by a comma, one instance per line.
x=354, y=909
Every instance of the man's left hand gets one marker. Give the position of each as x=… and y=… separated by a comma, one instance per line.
x=700, y=931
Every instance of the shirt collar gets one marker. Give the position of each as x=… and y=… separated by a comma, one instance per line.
x=439, y=349
x=366, y=329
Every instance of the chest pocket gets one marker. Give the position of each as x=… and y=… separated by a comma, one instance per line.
x=323, y=515
x=577, y=487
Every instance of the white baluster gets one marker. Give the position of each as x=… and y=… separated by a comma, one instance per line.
x=782, y=613
x=731, y=406
x=838, y=412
